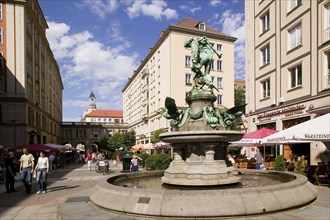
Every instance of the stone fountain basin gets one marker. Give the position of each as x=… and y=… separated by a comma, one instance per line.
x=213, y=136
x=203, y=203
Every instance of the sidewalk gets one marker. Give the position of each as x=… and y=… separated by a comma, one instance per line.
x=68, y=198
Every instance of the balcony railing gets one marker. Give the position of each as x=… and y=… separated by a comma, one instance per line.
x=327, y=34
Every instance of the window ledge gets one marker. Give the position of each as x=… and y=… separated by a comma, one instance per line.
x=293, y=9
x=295, y=88
x=264, y=32
x=264, y=99
x=219, y=70
x=264, y=65
x=294, y=49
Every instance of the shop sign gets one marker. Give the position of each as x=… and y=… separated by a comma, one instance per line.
x=288, y=111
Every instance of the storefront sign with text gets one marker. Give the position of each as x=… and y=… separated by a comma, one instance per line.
x=288, y=111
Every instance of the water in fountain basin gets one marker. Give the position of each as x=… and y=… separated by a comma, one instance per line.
x=250, y=180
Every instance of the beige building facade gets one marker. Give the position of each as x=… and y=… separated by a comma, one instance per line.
x=287, y=67
x=166, y=72
x=30, y=81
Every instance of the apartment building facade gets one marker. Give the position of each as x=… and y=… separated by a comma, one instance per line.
x=30, y=81
x=287, y=66
x=166, y=72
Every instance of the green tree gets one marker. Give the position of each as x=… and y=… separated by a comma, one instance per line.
x=239, y=96
x=104, y=143
x=116, y=141
x=155, y=137
x=124, y=140
x=129, y=139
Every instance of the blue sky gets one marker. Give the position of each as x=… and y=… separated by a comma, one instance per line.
x=98, y=43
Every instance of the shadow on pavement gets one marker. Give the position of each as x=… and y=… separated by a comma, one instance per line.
x=20, y=198
x=58, y=188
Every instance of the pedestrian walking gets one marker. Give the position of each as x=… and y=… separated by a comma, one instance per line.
x=51, y=162
x=26, y=169
x=42, y=169
x=89, y=160
x=259, y=159
x=10, y=173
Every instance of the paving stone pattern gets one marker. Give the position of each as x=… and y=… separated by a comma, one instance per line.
x=69, y=189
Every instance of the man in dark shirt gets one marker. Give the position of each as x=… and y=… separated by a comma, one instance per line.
x=10, y=173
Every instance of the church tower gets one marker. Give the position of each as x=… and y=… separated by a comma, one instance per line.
x=92, y=103
x=91, y=106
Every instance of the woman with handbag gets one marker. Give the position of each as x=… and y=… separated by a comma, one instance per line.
x=42, y=169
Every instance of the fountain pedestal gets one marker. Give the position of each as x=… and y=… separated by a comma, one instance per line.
x=199, y=149
x=199, y=171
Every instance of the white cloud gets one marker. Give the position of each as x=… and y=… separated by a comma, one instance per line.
x=233, y=24
x=87, y=64
x=190, y=8
x=101, y=7
x=156, y=9
x=215, y=3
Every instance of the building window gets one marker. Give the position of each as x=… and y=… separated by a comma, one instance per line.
x=187, y=94
x=188, y=79
x=219, y=99
x=265, y=55
x=265, y=22
x=219, y=83
x=201, y=26
x=1, y=35
x=327, y=23
x=219, y=65
x=293, y=4
x=212, y=64
x=327, y=70
x=219, y=47
x=0, y=10
x=187, y=61
x=265, y=88
x=295, y=76
x=295, y=37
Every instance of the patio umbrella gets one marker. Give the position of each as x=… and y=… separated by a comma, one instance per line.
x=137, y=147
x=57, y=146
x=254, y=138
x=148, y=146
x=162, y=145
x=60, y=147
x=37, y=148
x=317, y=129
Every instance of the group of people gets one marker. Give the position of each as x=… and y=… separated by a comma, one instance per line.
x=93, y=158
x=27, y=168
x=257, y=157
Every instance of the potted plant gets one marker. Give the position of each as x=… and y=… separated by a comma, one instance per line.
x=301, y=165
x=280, y=163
